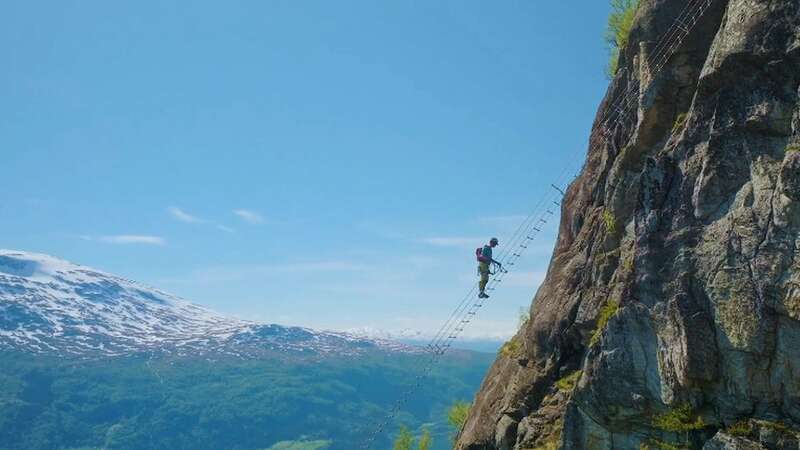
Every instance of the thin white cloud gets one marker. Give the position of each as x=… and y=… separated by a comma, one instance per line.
x=183, y=216
x=249, y=216
x=186, y=217
x=452, y=241
x=225, y=229
x=127, y=239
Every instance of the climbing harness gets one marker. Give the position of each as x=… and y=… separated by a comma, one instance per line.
x=602, y=134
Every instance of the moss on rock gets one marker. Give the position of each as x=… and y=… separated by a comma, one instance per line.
x=681, y=418
x=511, y=349
x=606, y=313
x=742, y=428
x=569, y=382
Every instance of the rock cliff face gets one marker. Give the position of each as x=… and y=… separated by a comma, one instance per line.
x=670, y=315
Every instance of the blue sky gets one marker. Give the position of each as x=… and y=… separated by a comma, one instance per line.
x=326, y=164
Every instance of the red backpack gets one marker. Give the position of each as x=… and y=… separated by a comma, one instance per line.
x=479, y=254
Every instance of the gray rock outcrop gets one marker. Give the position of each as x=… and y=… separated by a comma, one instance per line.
x=670, y=314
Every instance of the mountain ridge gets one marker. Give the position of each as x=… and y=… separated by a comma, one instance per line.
x=91, y=360
x=49, y=305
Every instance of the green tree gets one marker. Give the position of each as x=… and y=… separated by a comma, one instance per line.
x=425, y=441
x=404, y=440
x=457, y=415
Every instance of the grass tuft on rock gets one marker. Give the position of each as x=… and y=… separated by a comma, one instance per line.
x=552, y=436
x=742, y=428
x=511, y=349
x=780, y=427
x=568, y=383
x=680, y=123
x=792, y=148
x=610, y=221
x=628, y=264
x=620, y=22
x=606, y=313
x=457, y=414
x=549, y=445
x=681, y=418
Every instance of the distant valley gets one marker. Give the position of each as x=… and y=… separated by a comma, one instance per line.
x=90, y=360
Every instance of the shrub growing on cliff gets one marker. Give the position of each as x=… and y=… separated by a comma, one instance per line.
x=620, y=22
x=628, y=263
x=552, y=435
x=425, y=440
x=457, y=415
x=568, y=383
x=780, y=427
x=511, y=349
x=404, y=440
x=610, y=221
x=743, y=428
x=606, y=312
x=681, y=418
x=792, y=148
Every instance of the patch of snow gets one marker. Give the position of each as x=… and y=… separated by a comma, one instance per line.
x=50, y=304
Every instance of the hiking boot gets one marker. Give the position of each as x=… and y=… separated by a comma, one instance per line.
x=483, y=295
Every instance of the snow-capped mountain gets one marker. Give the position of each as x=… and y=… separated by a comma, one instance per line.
x=48, y=305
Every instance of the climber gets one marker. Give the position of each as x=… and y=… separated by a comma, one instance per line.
x=485, y=261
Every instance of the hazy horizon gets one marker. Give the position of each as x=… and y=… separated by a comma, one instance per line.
x=327, y=166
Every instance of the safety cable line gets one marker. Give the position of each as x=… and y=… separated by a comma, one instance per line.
x=455, y=315
x=624, y=100
x=617, y=113
x=464, y=310
x=661, y=54
x=662, y=51
x=448, y=333
x=533, y=222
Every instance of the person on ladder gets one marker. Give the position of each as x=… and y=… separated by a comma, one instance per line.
x=485, y=262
